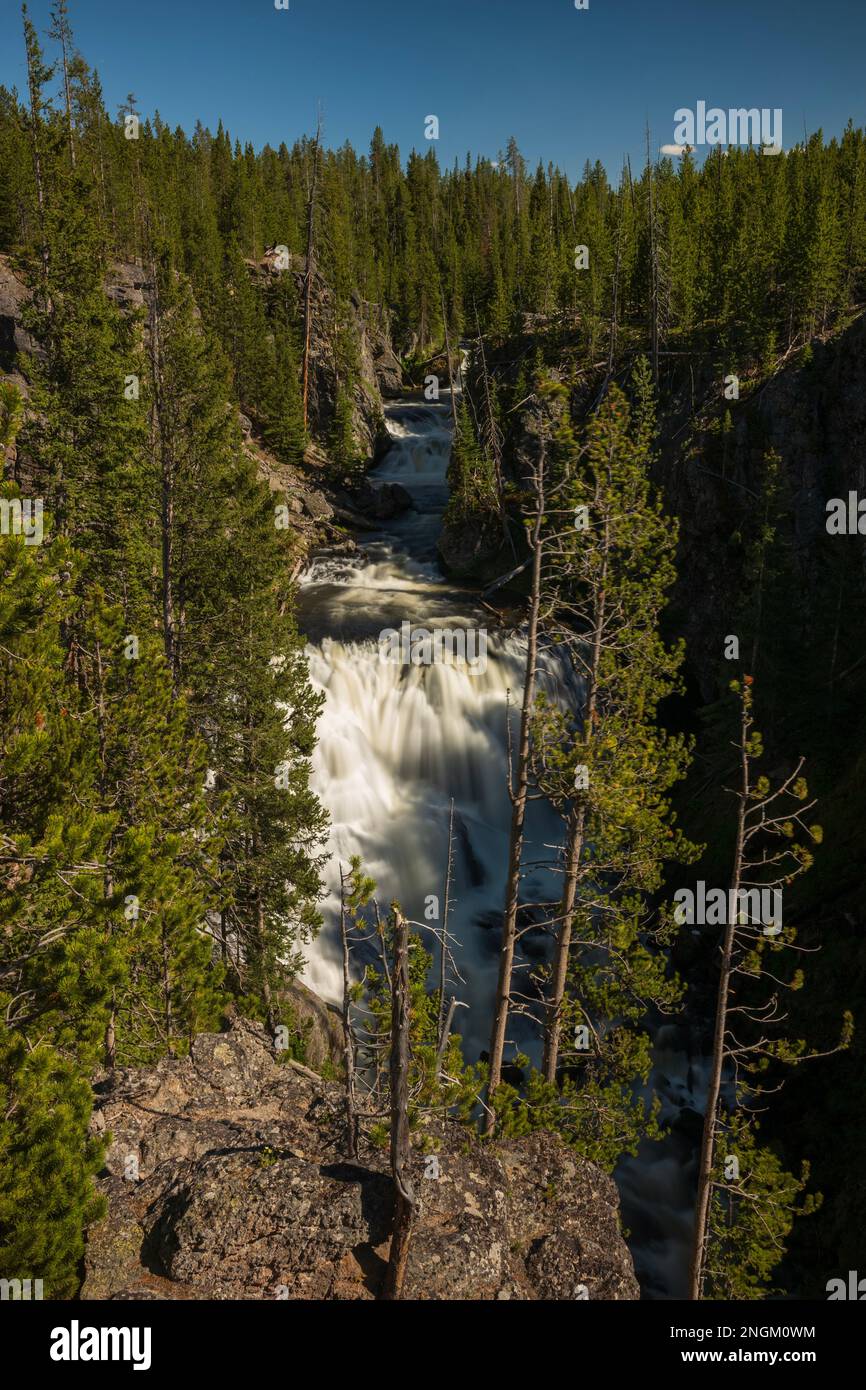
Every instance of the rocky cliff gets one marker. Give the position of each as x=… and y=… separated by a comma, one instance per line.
x=225, y=1179
x=812, y=412
x=379, y=373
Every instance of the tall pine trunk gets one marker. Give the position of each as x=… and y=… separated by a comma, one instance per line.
x=404, y=1194
x=308, y=279
x=519, y=789
x=348, y=1039
x=708, y=1138
x=574, y=846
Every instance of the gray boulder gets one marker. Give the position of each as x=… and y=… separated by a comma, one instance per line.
x=225, y=1179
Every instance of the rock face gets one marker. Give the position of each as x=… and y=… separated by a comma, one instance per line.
x=383, y=501
x=14, y=338
x=225, y=1180
x=379, y=372
x=814, y=416
x=473, y=548
x=320, y=1026
x=389, y=373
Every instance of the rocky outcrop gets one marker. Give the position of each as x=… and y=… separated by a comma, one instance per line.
x=473, y=548
x=379, y=373
x=225, y=1179
x=14, y=338
x=318, y=1024
x=126, y=284
x=389, y=373
x=382, y=501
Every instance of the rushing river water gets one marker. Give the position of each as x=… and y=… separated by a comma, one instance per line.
x=398, y=742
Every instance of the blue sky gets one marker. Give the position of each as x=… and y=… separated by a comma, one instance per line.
x=570, y=85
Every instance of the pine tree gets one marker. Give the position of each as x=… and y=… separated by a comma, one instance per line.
x=47, y=1165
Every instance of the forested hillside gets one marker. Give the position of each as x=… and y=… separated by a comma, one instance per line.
x=678, y=358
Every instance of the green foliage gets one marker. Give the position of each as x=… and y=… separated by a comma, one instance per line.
x=593, y=1108
x=11, y=413
x=751, y=1216
x=47, y=1164
x=447, y=1086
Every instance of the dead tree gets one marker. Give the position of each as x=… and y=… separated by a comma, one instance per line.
x=614, y=299
x=518, y=791
x=766, y=857
x=348, y=1034
x=653, y=266
x=443, y=955
x=450, y=368
x=61, y=32
x=404, y=1194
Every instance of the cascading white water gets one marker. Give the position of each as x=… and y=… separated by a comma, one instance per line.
x=398, y=742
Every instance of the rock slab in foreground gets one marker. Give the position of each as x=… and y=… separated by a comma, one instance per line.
x=242, y=1189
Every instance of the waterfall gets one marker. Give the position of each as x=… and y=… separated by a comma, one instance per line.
x=398, y=742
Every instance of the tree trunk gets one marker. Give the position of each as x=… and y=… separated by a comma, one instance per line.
x=574, y=846
x=519, y=792
x=708, y=1138
x=348, y=1039
x=450, y=370
x=404, y=1195
x=160, y=442
x=64, y=36
x=34, y=91
x=308, y=281
x=654, y=270
x=443, y=958
x=553, y=1019
x=111, y=1035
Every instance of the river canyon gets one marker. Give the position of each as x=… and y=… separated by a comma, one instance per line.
x=398, y=742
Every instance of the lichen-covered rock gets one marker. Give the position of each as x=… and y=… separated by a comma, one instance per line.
x=225, y=1179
